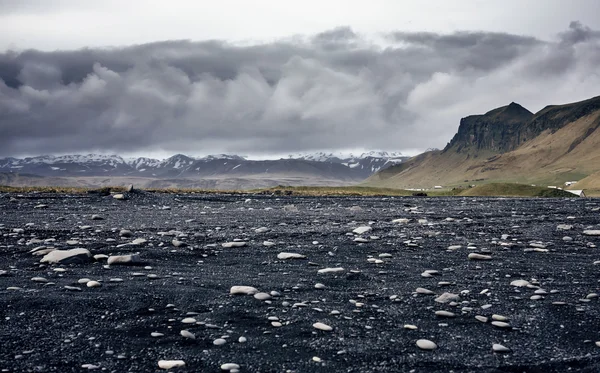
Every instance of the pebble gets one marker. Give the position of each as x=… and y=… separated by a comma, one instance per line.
x=361, y=230
x=322, y=326
x=593, y=232
x=481, y=318
x=233, y=244
x=519, y=283
x=156, y=335
x=187, y=334
x=426, y=344
x=447, y=298
x=230, y=366
x=499, y=318
x=331, y=270
x=123, y=259
x=475, y=256
x=424, y=291
x=93, y=284
x=170, y=364
x=283, y=256
x=444, y=314
x=500, y=348
x=189, y=320
x=244, y=290
x=410, y=327
x=242, y=339
x=262, y=296
x=501, y=324
x=319, y=286
x=219, y=342
x=72, y=256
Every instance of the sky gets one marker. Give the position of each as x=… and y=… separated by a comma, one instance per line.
x=268, y=78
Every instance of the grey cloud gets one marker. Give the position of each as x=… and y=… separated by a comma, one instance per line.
x=333, y=90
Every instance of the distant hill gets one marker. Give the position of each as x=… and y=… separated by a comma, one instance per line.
x=510, y=144
x=214, y=171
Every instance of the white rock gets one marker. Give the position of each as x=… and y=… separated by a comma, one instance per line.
x=283, y=256
x=447, y=298
x=120, y=196
x=593, y=232
x=361, y=230
x=187, y=334
x=519, y=283
x=360, y=240
x=242, y=340
x=230, y=366
x=219, y=342
x=262, y=296
x=156, y=335
x=501, y=324
x=500, y=348
x=93, y=284
x=410, y=327
x=73, y=256
x=400, y=221
x=170, y=364
x=261, y=230
x=268, y=243
x=481, y=318
x=426, y=344
x=139, y=241
x=123, y=259
x=424, y=291
x=189, y=320
x=475, y=256
x=321, y=326
x=444, y=314
x=331, y=270
x=245, y=290
x=499, y=318
x=233, y=244
x=39, y=279
x=319, y=286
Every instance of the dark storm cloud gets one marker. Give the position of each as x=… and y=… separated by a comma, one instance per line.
x=332, y=90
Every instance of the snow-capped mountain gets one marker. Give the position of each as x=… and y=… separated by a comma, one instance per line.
x=367, y=163
x=337, y=166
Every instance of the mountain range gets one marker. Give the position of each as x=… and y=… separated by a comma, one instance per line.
x=213, y=171
x=558, y=144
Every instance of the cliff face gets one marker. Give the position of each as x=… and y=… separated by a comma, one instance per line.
x=495, y=131
x=559, y=143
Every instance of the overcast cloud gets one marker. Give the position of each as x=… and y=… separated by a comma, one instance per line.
x=336, y=89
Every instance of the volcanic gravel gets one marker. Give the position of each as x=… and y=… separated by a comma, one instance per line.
x=369, y=312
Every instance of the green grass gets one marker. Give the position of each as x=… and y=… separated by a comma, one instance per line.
x=513, y=190
x=482, y=190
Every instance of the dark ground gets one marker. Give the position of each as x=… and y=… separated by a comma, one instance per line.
x=46, y=328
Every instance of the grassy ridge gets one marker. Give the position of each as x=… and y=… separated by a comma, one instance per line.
x=483, y=190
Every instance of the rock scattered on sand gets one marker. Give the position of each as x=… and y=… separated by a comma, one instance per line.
x=323, y=327
x=189, y=320
x=475, y=256
x=233, y=244
x=170, y=364
x=219, y=341
x=424, y=291
x=284, y=256
x=444, y=314
x=93, y=284
x=119, y=196
x=230, y=366
x=243, y=290
x=72, y=256
x=447, y=298
x=592, y=232
x=519, y=283
x=187, y=334
x=262, y=296
x=123, y=259
x=361, y=230
x=331, y=270
x=426, y=344
x=501, y=324
x=496, y=347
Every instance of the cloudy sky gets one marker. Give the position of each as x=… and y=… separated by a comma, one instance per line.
x=266, y=78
